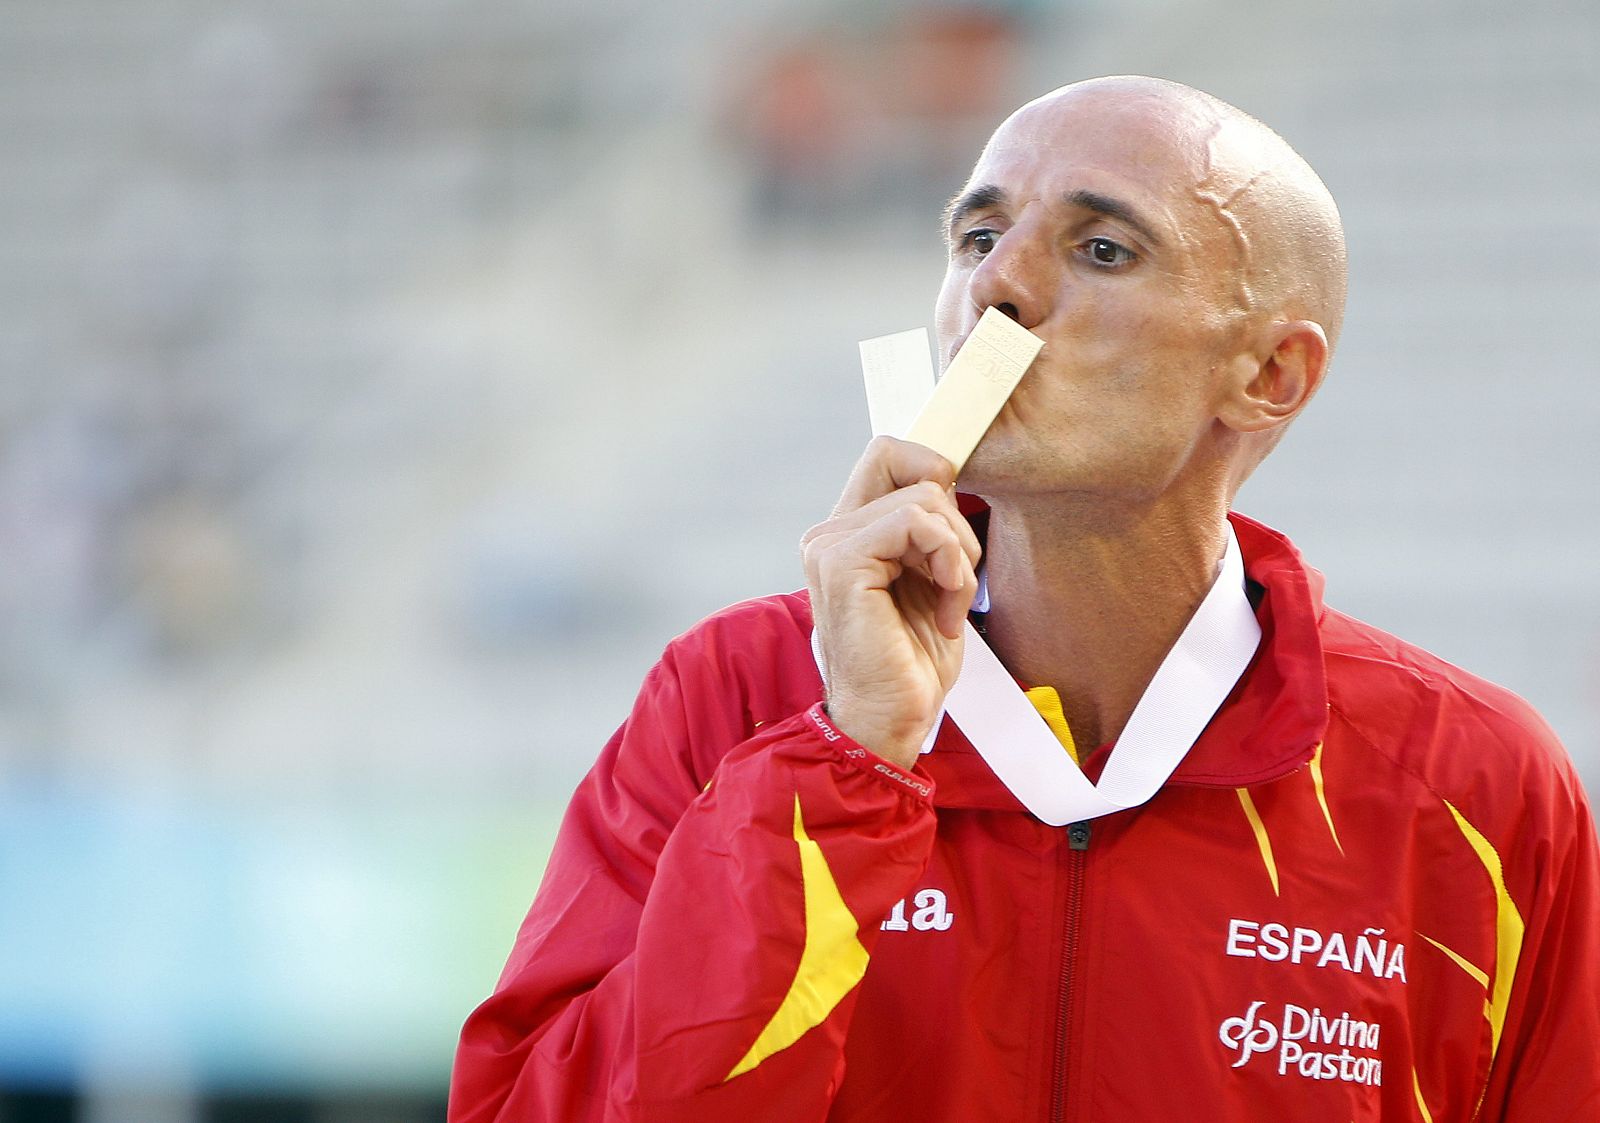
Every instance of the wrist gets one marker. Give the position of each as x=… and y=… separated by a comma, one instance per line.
x=899, y=743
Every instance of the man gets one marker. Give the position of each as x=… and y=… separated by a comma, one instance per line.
x=1369, y=890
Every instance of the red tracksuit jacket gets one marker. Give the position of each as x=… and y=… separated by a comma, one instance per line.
x=1370, y=891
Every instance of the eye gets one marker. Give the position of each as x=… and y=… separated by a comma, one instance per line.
x=1103, y=251
x=979, y=240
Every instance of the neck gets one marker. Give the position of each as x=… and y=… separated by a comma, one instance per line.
x=1091, y=603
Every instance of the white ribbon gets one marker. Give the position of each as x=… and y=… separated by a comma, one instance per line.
x=1187, y=690
x=1189, y=687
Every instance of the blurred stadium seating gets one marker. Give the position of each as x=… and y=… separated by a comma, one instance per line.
x=384, y=383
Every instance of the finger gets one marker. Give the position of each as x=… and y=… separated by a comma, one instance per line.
x=888, y=465
x=948, y=603
x=910, y=537
x=875, y=556
x=937, y=618
x=947, y=565
x=926, y=494
x=917, y=539
x=950, y=615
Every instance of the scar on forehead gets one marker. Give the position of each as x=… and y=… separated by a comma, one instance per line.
x=1220, y=196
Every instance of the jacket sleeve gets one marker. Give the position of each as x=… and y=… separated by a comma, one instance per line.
x=694, y=948
x=1547, y=1066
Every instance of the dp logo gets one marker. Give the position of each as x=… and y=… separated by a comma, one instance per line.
x=1247, y=1035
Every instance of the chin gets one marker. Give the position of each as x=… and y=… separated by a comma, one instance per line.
x=994, y=473
x=1002, y=471
x=1006, y=457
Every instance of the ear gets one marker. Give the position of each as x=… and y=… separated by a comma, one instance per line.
x=1268, y=387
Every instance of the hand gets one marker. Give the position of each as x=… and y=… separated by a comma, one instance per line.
x=892, y=576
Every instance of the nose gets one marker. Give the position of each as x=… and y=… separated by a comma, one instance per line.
x=1017, y=277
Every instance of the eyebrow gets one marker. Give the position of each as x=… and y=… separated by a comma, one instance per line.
x=990, y=195
x=968, y=201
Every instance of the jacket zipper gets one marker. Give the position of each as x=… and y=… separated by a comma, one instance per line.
x=1077, y=857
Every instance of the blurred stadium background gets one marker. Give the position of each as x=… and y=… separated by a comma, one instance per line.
x=384, y=383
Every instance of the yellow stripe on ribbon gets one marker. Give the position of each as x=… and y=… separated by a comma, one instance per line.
x=831, y=964
x=1508, y=929
x=1322, y=796
x=1262, y=840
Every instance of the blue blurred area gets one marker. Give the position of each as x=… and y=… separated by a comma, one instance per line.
x=169, y=943
x=382, y=385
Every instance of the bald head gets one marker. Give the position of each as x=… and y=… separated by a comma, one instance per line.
x=1287, y=240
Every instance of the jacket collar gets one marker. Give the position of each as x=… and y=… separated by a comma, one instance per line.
x=1270, y=724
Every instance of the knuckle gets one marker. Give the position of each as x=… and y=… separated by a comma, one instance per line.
x=878, y=458
x=820, y=568
x=913, y=516
x=816, y=554
x=808, y=558
x=814, y=551
x=931, y=465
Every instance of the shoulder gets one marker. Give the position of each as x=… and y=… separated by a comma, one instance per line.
x=739, y=668
x=771, y=632
x=1474, y=745
x=713, y=687
x=1395, y=691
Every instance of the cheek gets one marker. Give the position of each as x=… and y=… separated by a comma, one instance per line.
x=1108, y=337
x=947, y=312
x=1169, y=337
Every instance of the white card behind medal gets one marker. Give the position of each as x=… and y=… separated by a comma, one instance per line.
x=899, y=374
